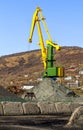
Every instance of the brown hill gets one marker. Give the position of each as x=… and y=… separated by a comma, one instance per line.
x=27, y=67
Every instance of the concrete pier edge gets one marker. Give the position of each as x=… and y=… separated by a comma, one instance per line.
x=18, y=108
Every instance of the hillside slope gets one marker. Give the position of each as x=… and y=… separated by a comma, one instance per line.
x=27, y=67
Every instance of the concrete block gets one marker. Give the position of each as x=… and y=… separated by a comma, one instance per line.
x=12, y=108
x=63, y=107
x=73, y=106
x=31, y=108
x=1, y=109
x=47, y=108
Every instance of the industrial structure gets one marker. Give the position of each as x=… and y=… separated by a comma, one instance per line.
x=47, y=51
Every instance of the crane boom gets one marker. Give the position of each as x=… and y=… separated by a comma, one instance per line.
x=45, y=26
x=35, y=20
x=47, y=52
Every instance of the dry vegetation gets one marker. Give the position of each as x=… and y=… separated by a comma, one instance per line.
x=26, y=67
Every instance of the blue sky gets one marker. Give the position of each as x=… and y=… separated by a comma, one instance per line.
x=64, y=19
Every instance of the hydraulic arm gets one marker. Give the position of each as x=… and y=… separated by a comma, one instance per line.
x=47, y=52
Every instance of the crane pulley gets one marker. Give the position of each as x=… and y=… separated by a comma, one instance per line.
x=47, y=52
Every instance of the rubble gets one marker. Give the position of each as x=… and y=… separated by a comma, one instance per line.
x=49, y=90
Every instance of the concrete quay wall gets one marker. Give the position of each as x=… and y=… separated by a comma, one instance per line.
x=18, y=108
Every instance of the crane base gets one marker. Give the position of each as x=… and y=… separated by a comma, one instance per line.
x=54, y=72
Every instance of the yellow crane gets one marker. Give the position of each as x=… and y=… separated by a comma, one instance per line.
x=47, y=52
